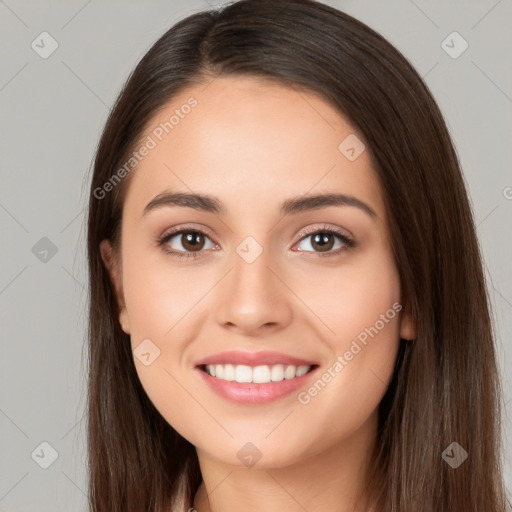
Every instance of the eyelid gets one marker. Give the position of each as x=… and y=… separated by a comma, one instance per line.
x=185, y=227
x=180, y=229
x=324, y=227
x=344, y=235
x=304, y=232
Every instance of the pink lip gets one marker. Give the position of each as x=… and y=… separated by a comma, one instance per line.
x=255, y=394
x=253, y=359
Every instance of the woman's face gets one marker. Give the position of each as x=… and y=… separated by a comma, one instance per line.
x=280, y=282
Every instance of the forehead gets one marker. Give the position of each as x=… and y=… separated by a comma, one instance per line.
x=253, y=144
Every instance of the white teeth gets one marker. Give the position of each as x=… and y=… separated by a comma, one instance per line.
x=277, y=373
x=302, y=370
x=243, y=373
x=229, y=372
x=289, y=373
x=257, y=374
x=261, y=374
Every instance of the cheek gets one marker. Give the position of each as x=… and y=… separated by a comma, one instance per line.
x=159, y=296
x=162, y=305
x=359, y=306
x=353, y=297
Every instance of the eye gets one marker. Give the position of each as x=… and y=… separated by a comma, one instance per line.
x=186, y=243
x=189, y=243
x=324, y=242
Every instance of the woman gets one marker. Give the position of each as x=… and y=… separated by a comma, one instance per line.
x=288, y=308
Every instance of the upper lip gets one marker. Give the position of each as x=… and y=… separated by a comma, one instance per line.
x=237, y=357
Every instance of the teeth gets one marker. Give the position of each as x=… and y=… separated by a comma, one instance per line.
x=302, y=370
x=243, y=373
x=290, y=372
x=229, y=372
x=257, y=374
x=261, y=374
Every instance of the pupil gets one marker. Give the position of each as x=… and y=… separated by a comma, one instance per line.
x=323, y=240
x=193, y=240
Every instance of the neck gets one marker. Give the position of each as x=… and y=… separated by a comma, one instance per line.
x=331, y=480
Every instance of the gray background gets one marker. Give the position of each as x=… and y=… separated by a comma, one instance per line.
x=52, y=112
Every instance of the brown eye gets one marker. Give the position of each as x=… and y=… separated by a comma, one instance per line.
x=325, y=242
x=186, y=243
x=322, y=241
x=192, y=240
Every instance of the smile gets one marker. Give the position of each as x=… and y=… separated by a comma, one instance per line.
x=262, y=374
x=255, y=385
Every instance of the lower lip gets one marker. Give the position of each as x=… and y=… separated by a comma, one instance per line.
x=251, y=393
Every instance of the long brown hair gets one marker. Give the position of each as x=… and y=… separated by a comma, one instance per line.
x=445, y=388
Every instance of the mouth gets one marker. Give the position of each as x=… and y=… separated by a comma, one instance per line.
x=262, y=374
x=261, y=384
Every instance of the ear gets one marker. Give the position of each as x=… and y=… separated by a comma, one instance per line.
x=407, y=327
x=113, y=267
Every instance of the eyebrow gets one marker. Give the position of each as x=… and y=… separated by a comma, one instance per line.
x=207, y=203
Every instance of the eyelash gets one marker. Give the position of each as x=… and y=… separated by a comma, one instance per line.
x=349, y=242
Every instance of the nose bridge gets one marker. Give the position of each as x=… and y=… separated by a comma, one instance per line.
x=251, y=279
x=252, y=296
x=251, y=268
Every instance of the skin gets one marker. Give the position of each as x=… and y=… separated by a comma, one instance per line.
x=254, y=144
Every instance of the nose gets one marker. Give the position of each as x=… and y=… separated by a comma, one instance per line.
x=252, y=299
